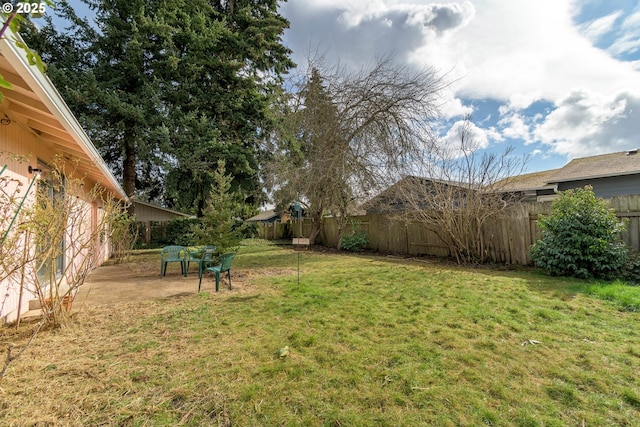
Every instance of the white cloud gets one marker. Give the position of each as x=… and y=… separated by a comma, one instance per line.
x=513, y=52
x=632, y=22
x=585, y=124
x=597, y=28
x=625, y=45
x=358, y=31
x=522, y=100
x=514, y=126
x=510, y=55
x=629, y=42
x=454, y=107
x=476, y=138
x=490, y=48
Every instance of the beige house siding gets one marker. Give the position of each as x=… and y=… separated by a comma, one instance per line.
x=36, y=126
x=16, y=142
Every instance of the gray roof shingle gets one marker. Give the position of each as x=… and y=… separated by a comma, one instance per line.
x=528, y=181
x=263, y=216
x=605, y=165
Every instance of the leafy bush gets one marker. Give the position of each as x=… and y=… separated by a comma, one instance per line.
x=356, y=240
x=124, y=234
x=179, y=231
x=580, y=237
x=630, y=271
x=250, y=231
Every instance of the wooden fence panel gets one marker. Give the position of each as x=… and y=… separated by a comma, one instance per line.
x=633, y=237
x=628, y=208
x=329, y=232
x=422, y=241
x=397, y=237
x=272, y=231
x=507, y=238
x=378, y=232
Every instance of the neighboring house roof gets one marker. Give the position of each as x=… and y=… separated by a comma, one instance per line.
x=35, y=104
x=145, y=214
x=264, y=216
x=395, y=197
x=621, y=168
x=602, y=166
x=527, y=182
x=593, y=167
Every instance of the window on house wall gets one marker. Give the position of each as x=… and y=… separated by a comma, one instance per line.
x=50, y=260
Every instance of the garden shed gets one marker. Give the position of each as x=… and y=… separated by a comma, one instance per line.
x=266, y=217
x=149, y=214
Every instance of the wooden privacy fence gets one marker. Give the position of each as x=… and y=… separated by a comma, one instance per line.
x=271, y=231
x=284, y=230
x=507, y=238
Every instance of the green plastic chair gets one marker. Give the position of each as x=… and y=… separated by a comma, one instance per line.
x=203, y=257
x=225, y=265
x=173, y=254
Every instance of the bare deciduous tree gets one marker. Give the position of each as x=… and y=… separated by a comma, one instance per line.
x=457, y=190
x=57, y=239
x=12, y=196
x=348, y=134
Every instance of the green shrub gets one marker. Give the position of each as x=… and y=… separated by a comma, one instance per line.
x=179, y=232
x=250, y=230
x=580, y=237
x=221, y=224
x=356, y=240
x=630, y=271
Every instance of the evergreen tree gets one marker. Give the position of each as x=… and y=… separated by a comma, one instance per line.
x=221, y=223
x=168, y=88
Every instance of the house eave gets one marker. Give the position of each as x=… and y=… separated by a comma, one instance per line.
x=40, y=85
x=599, y=176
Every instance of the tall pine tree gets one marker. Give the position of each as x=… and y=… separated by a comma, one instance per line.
x=168, y=88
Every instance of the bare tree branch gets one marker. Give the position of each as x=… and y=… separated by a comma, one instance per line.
x=348, y=134
x=458, y=190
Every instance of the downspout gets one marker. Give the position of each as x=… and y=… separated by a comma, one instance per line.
x=35, y=178
x=3, y=168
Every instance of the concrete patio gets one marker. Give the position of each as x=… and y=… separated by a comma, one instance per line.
x=133, y=282
x=139, y=280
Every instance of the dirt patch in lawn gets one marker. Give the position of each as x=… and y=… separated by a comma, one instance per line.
x=140, y=280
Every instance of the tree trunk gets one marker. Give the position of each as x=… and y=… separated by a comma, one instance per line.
x=342, y=225
x=129, y=167
x=316, y=225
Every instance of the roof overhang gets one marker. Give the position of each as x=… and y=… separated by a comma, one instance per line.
x=598, y=176
x=160, y=208
x=527, y=189
x=37, y=106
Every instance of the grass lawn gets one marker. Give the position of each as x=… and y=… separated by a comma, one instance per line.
x=372, y=341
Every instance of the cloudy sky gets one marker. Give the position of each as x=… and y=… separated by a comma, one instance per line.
x=557, y=79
